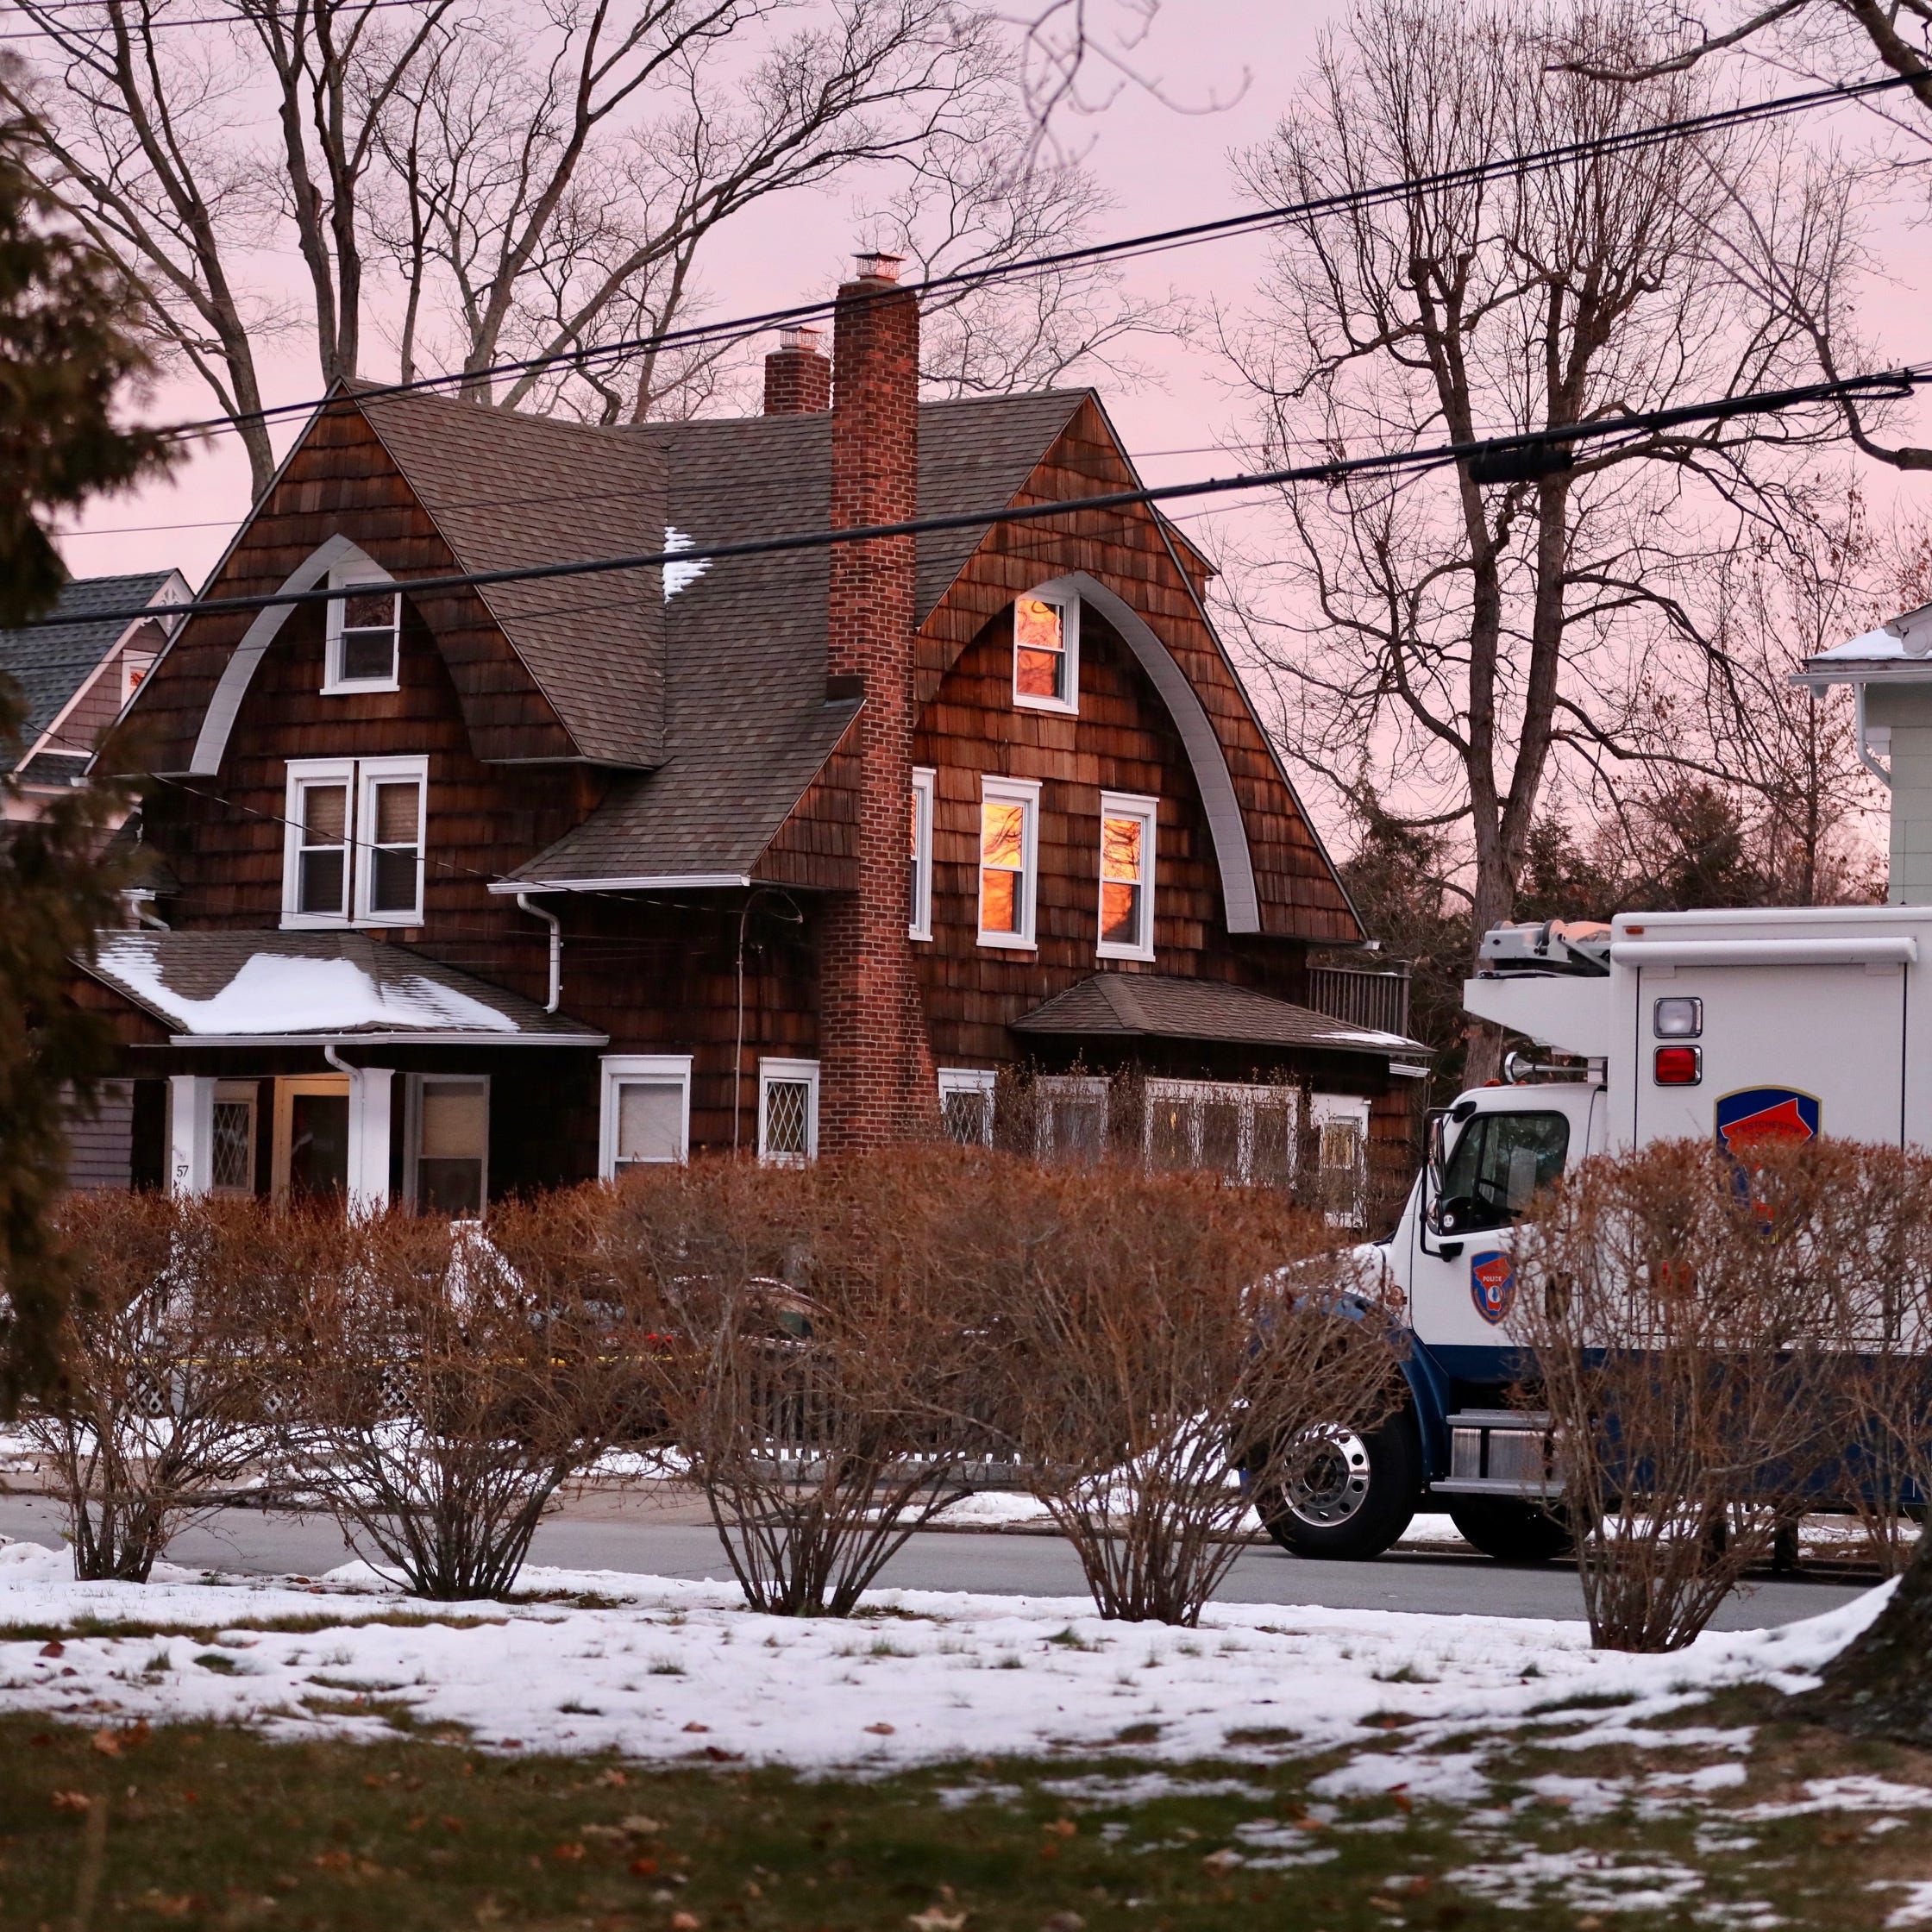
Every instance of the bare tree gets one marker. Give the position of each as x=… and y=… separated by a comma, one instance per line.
x=1472, y=626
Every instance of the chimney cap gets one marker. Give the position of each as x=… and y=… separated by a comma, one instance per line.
x=801, y=335
x=877, y=266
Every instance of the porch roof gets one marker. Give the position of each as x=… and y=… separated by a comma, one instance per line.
x=1157, y=1006
x=262, y=988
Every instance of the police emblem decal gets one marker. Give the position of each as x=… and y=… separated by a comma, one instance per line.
x=1765, y=1117
x=1492, y=1285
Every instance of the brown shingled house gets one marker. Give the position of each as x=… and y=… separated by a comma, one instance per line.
x=487, y=888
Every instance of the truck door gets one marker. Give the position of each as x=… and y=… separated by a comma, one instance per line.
x=1462, y=1287
x=1745, y=1054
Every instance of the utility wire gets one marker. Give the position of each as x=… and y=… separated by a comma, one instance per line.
x=85, y=28
x=1776, y=108
x=1554, y=443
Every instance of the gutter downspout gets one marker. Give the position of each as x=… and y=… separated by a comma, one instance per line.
x=556, y=948
x=1882, y=772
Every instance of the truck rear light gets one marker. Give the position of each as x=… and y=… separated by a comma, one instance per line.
x=1679, y=1066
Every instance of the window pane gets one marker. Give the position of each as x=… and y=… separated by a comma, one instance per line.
x=912, y=842
x=369, y=610
x=1079, y=1127
x=324, y=814
x=449, y=1186
x=368, y=654
x=318, y=1144
x=788, y=1117
x=1271, y=1145
x=1170, y=1125
x=396, y=813
x=967, y=1115
x=1221, y=1137
x=1121, y=840
x=392, y=888
x=1002, y=833
x=999, y=902
x=323, y=877
x=1500, y=1161
x=650, y=1121
x=1036, y=673
x=1120, y=914
x=456, y=1120
x=232, y=1156
x=1038, y=624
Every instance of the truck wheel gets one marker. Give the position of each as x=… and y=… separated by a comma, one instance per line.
x=1512, y=1532
x=1345, y=1494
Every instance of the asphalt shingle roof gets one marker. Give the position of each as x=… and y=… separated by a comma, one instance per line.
x=1155, y=1006
x=748, y=725
x=51, y=665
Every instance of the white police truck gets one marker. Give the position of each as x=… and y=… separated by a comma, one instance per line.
x=1740, y=1027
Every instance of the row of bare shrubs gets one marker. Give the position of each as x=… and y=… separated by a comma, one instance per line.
x=1721, y=1345
x=835, y=1352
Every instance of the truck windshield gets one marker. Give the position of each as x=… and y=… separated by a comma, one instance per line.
x=1499, y=1162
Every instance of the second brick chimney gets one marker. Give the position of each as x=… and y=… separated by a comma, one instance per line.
x=798, y=378
x=876, y=1080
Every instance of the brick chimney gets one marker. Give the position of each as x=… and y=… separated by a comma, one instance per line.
x=798, y=378
x=876, y=1080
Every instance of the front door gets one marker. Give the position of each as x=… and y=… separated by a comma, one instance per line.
x=311, y=1136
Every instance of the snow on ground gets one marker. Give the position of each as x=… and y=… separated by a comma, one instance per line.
x=654, y=1668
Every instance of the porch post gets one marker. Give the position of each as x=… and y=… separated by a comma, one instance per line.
x=368, y=1139
x=190, y=1162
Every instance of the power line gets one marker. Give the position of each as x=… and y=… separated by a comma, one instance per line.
x=1526, y=446
x=53, y=33
x=1776, y=108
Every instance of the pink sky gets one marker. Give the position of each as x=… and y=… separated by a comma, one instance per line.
x=1163, y=167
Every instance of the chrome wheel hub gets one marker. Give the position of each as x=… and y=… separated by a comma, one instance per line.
x=1327, y=1479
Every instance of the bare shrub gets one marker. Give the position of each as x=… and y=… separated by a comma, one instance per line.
x=168, y=1345
x=1154, y=1333
x=814, y=1361
x=451, y=1382
x=1696, y=1325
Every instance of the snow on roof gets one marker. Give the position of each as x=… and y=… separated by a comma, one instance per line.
x=280, y=993
x=1905, y=642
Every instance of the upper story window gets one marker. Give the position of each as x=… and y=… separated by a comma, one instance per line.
x=1128, y=875
x=135, y=666
x=1046, y=653
x=920, y=854
x=353, y=846
x=365, y=629
x=1009, y=860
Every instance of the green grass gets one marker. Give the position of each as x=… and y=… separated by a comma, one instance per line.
x=202, y=1827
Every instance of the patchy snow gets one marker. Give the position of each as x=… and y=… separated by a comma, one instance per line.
x=682, y=576
x=653, y=1668
x=277, y=993
x=1917, y=1908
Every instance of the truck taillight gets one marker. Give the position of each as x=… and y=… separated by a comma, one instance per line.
x=1679, y=1066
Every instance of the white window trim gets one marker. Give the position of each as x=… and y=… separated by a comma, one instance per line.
x=315, y=771
x=1069, y=608
x=970, y=1080
x=359, y=575
x=1129, y=804
x=135, y=667
x=1009, y=791
x=925, y=788
x=371, y=772
x=412, y=1130
x=806, y=1071
x=616, y=1067
x=357, y=774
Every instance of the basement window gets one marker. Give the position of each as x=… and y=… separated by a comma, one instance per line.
x=1046, y=653
x=364, y=632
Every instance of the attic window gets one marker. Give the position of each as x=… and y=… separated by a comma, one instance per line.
x=1046, y=653
x=364, y=631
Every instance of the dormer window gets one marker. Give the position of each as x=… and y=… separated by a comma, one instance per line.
x=1046, y=653
x=364, y=631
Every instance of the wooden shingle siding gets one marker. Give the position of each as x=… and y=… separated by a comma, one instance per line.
x=1126, y=550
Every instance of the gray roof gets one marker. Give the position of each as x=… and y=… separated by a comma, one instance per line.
x=51, y=665
x=317, y=986
x=748, y=724
x=1153, y=1006
x=507, y=490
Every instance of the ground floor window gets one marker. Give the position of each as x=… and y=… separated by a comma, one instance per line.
x=966, y=1105
x=231, y=1163
x=788, y=1110
x=646, y=1111
x=449, y=1145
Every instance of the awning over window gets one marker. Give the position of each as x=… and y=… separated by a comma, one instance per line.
x=257, y=988
x=1155, y=1006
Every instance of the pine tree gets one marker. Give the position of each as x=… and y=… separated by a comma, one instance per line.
x=68, y=357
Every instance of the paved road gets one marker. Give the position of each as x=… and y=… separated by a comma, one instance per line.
x=652, y=1539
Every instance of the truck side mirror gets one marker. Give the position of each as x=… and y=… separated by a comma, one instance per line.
x=1433, y=1165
